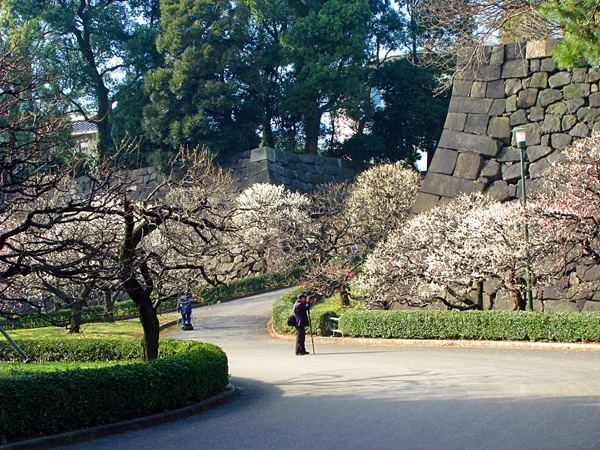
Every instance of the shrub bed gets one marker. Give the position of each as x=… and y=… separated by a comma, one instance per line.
x=48, y=403
x=282, y=308
x=473, y=325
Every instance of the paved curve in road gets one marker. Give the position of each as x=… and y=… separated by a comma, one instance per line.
x=367, y=397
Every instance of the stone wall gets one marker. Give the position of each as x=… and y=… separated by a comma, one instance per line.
x=295, y=171
x=515, y=85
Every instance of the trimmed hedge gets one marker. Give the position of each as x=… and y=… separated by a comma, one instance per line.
x=473, y=325
x=282, y=308
x=54, y=402
x=127, y=308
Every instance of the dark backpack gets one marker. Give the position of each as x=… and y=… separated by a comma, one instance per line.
x=292, y=321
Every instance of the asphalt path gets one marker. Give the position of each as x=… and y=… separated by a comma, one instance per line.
x=379, y=397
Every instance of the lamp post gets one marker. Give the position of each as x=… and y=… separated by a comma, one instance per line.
x=520, y=134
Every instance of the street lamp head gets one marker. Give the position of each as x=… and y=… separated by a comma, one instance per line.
x=520, y=136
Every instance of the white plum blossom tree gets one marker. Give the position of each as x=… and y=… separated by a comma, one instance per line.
x=454, y=247
x=270, y=219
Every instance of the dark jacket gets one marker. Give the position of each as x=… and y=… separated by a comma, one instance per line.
x=184, y=304
x=300, y=313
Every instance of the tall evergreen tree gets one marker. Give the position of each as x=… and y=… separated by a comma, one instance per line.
x=87, y=47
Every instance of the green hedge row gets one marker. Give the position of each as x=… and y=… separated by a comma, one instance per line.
x=128, y=308
x=49, y=403
x=473, y=325
x=282, y=309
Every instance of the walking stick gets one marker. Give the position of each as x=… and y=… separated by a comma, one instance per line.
x=311, y=333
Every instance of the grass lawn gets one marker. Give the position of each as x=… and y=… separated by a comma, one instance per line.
x=334, y=304
x=119, y=328
x=17, y=369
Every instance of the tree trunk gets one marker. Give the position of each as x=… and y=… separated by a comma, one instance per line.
x=150, y=324
x=109, y=305
x=76, y=308
x=312, y=127
x=268, y=140
x=345, y=297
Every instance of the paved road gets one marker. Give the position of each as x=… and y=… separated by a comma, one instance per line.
x=361, y=397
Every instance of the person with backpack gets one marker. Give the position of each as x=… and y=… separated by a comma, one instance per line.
x=300, y=311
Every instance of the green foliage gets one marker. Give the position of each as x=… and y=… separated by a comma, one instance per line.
x=473, y=325
x=580, y=22
x=409, y=119
x=282, y=308
x=49, y=403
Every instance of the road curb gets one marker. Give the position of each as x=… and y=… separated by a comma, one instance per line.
x=75, y=437
x=439, y=343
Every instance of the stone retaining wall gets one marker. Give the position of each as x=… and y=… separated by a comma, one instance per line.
x=515, y=85
x=295, y=171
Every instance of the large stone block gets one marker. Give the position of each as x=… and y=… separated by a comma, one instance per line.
x=527, y=98
x=476, y=123
x=575, y=104
x=580, y=130
x=455, y=121
x=467, y=166
x=424, y=202
x=495, y=89
x=579, y=75
x=568, y=122
x=263, y=153
x=499, y=190
x=560, y=79
x=537, y=49
x=478, y=89
x=515, y=50
x=499, y=128
x=469, y=105
x=560, y=141
x=595, y=100
x=509, y=154
x=447, y=186
x=512, y=172
x=539, y=80
x=511, y=103
x=498, y=107
x=462, y=88
x=536, y=114
x=519, y=117
x=513, y=86
x=517, y=68
x=497, y=56
x=456, y=140
x=576, y=90
x=560, y=306
x=536, y=152
x=588, y=115
x=537, y=168
x=490, y=169
x=549, y=96
x=444, y=161
x=551, y=124
x=557, y=109
x=548, y=65
x=482, y=72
